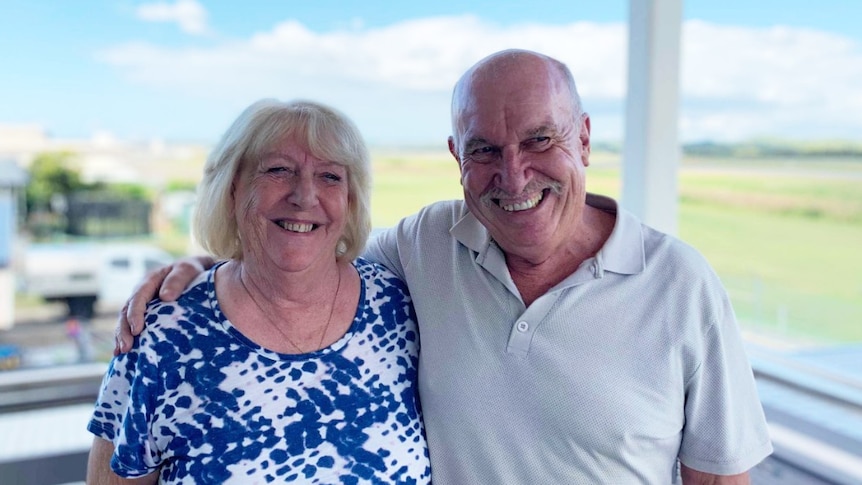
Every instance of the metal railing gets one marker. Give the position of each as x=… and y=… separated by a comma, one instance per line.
x=817, y=437
x=41, y=388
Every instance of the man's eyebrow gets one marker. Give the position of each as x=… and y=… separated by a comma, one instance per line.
x=540, y=130
x=474, y=142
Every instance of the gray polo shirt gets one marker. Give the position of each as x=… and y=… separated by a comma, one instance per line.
x=633, y=360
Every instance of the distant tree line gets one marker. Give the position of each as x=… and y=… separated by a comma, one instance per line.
x=770, y=148
x=760, y=149
x=59, y=202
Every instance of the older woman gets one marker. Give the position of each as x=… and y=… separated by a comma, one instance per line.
x=289, y=361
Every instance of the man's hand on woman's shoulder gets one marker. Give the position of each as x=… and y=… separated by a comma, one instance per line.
x=168, y=283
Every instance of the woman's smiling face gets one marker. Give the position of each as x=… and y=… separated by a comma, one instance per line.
x=291, y=208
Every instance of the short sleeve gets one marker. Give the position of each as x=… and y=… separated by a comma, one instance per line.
x=124, y=411
x=384, y=249
x=725, y=430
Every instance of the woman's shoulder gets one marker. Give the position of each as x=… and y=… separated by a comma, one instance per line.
x=385, y=301
x=371, y=270
x=377, y=275
x=198, y=298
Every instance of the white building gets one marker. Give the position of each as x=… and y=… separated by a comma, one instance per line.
x=104, y=158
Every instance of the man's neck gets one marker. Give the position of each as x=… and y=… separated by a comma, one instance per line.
x=534, y=277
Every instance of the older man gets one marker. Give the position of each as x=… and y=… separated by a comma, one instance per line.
x=563, y=341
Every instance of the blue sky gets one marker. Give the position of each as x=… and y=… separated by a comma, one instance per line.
x=183, y=69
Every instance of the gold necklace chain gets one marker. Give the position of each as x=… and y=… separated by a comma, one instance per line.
x=331, y=309
x=283, y=334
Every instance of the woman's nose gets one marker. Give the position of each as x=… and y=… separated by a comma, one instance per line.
x=303, y=193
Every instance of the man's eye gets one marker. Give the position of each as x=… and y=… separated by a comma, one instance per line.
x=537, y=142
x=483, y=153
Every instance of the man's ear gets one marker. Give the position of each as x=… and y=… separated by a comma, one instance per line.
x=585, y=139
x=453, y=150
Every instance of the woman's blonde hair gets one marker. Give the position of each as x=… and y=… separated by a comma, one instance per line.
x=325, y=132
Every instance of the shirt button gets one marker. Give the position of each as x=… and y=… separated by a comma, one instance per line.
x=523, y=326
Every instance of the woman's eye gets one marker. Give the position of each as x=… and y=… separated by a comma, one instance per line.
x=279, y=170
x=332, y=177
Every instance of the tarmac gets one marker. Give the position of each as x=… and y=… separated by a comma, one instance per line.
x=45, y=336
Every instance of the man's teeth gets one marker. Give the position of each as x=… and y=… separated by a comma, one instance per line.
x=293, y=227
x=522, y=206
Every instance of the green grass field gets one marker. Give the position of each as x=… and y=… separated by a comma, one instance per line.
x=784, y=235
x=404, y=183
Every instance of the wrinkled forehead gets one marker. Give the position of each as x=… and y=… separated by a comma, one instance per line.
x=494, y=106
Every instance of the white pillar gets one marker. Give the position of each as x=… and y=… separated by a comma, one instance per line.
x=651, y=149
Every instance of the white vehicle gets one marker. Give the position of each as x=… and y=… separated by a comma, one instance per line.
x=82, y=274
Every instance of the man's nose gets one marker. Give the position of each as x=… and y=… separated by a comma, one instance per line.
x=512, y=176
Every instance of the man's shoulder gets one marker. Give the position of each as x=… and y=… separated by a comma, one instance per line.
x=663, y=243
x=424, y=231
x=676, y=255
x=444, y=212
x=432, y=221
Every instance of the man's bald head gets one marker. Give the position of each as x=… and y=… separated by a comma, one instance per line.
x=508, y=66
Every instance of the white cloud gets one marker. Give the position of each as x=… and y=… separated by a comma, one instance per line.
x=422, y=55
x=377, y=76
x=741, y=82
x=737, y=82
x=188, y=14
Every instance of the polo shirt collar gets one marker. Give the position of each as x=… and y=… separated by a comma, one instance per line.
x=470, y=232
x=622, y=253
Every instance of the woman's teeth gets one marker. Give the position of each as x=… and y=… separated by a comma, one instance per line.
x=296, y=227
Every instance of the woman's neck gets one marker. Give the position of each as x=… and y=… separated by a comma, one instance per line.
x=293, y=313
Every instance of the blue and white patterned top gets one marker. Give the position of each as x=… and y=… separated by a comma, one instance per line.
x=207, y=405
